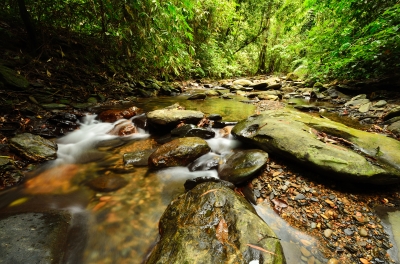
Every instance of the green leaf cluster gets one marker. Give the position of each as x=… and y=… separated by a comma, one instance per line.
x=344, y=39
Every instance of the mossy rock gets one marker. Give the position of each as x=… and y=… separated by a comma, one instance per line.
x=11, y=79
x=212, y=224
x=292, y=135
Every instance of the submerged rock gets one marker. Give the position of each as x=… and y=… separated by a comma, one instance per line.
x=199, y=96
x=179, y=152
x=242, y=165
x=293, y=135
x=211, y=224
x=39, y=238
x=34, y=148
x=107, y=183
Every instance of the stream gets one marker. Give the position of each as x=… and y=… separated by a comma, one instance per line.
x=121, y=226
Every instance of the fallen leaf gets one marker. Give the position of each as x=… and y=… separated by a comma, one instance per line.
x=332, y=204
x=98, y=206
x=364, y=261
x=279, y=205
x=276, y=173
x=261, y=249
x=222, y=231
x=19, y=201
x=48, y=73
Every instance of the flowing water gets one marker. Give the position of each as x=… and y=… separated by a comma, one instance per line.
x=122, y=226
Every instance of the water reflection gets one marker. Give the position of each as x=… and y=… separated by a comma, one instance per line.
x=292, y=240
x=390, y=221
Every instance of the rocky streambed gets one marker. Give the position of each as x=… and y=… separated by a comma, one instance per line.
x=220, y=189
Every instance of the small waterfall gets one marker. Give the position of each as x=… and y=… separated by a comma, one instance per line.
x=80, y=146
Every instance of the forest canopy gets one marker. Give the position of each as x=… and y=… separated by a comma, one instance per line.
x=333, y=39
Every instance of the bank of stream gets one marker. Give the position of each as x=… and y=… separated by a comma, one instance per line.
x=120, y=224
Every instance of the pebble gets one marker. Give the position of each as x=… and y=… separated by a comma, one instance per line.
x=348, y=231
x=305, y=252
x=363, y=232
x=333, y=261
x=313, y=225
x=300, y=196
x=328, y=232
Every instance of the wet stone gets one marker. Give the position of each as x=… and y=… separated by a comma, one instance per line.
x=328, y=233
x=138, y=158
x=178, y=152
x=348, y=231
x=191, y=183
x=363, y=232
x=34, y=147
x=190, y=130
x=243, y=165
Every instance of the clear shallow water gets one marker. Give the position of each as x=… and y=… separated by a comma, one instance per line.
x=292, y=240
x=120, y=226
x=230, y=109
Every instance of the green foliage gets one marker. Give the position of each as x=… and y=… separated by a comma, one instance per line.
x=345, y=39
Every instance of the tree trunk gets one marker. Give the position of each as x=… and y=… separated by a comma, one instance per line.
x=261, y=59
x=30, y=29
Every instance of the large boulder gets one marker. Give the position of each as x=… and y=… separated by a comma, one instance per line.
x=211, y=224
x=293, y=135
x=179, y=152
x=34, y=148
x=170, y=118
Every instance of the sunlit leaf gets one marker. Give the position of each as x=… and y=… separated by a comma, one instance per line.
x=19, y=201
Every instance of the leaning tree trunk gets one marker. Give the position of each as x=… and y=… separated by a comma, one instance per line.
x=30, y=29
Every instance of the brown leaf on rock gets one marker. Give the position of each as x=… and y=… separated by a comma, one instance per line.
x=222, y=231
x=261, y=249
